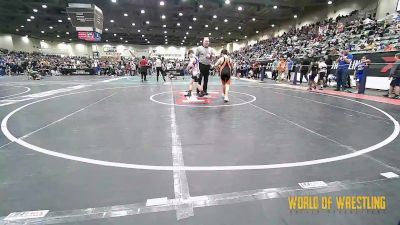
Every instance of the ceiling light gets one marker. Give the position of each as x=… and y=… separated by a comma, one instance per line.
x=50, y=28
x=162, y=3
x=60, y=21
x=229, y=33
x=112, y=21
x=142, y=35
x=67, y=32
x=295, y=16
x=237, y=40
x=178, y=24
x=114, y=1
x=194, y=18
x=35, y=10
x=115, y=35
x=145, y=39
x=121, y=38
x=163, y=17
x=222, y=37
x=240, y=8
x=227, y=2
x=254, y=19
x=69, y=18
x=187, y=33
x=239, y=28
x=273, y=25
x=22, y=26
x=142, y=11
x=166, y=36
x=106, y=40
x=164, y=26
x=58, y=35
x=209, y=34
x=225, y=20
x=275, y=6
x=44, y=6
x=190, y=27
x=133, y=24
x=138, y=31
x=42, y=31
x=125, y=14
x=245, y=36
x=165, y=32
x=215, y=16
x=126, y=41
x=200, y=6
x=216, y=28
x=180, y=14
x=70, y=39
x=32, y=17
x=184, y=37
x=29, y=20
x=148, y=42
x=257, y=31
x=17, y=29
x=147, y=22
x=330, y=2
x=206, y=25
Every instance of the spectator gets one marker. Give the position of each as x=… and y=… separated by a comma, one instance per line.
x=394, y=89
x=143, y=65
x=343, y=61
x=281, y=68
x=389, y=47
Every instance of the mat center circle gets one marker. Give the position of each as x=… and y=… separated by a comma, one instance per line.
x=213, y=99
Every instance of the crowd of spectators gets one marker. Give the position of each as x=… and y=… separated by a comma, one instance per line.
x=16, y=63
x=356, y=32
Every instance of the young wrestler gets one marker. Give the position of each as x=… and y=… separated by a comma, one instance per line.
x=225, y=67
x=193, y=68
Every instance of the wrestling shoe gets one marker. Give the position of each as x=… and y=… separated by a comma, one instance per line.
x=226, y=99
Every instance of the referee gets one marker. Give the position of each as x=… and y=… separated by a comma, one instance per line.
x=205, y=55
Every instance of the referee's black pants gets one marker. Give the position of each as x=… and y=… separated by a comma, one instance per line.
x=204, y=73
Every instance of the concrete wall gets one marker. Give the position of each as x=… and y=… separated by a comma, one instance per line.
x=386, y=6
x=6, y=41
x=25, y=43
x=67, y=49
x=29, y=44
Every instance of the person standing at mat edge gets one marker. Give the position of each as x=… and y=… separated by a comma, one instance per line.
x=159, y=67
x=205, y=55
x=143, y=64
x=394, y=76
x=342, y=72
x=225, y=67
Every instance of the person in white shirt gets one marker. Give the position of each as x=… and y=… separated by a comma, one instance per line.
x=194, y=70
x=159, y=68
x=322, y=75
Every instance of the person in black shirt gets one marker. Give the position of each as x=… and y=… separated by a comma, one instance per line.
x=314, y=73
x=304, y=69
x=329, y=63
